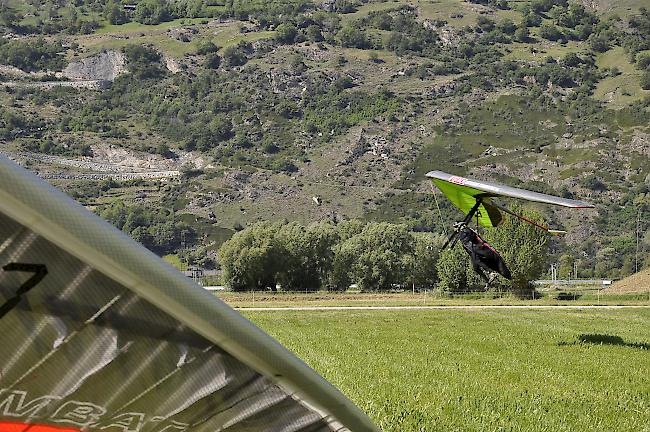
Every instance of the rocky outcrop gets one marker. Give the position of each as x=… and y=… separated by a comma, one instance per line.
x=105, y=66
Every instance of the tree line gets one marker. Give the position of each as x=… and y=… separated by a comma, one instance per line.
x=374, y=256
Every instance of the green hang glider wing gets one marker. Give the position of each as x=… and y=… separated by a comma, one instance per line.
x=464, y=193
x=465, y=198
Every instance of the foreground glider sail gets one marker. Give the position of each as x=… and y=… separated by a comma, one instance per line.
x=98, y=334
x=473, y=197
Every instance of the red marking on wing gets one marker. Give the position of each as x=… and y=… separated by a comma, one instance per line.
x=457, y=180
x=27, y=427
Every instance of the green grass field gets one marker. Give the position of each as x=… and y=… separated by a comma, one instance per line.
x=575, y=297
x=505, y=370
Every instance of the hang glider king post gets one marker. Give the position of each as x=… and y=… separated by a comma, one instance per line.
x=474, y=198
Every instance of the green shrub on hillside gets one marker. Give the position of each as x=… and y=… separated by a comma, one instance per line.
x=152, y=11
x=32, y=56
x=153, y=227
x=645, y=80
x=144, y=62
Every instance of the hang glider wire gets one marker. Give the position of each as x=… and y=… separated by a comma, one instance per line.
x=530, y=221
x=465, y=221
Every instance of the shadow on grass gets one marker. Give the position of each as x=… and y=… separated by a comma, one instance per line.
x=567, y=296
x=604, y=339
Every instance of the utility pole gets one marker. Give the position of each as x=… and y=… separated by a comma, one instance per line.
x=183, y=267
x=554, y=267
x=575, y=269
x=636, y=252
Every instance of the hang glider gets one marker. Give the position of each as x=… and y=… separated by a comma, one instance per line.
x=475, y=199
x=474, y=196
x=99, y=334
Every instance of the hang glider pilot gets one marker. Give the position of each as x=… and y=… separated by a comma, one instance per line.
x=483, y=256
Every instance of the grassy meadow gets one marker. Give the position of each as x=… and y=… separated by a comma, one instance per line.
x=429, y=298
x=487, y=370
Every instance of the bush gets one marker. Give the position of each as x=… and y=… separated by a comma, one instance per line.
x=32, y=56
x=235, y=55
x=550, y=32
x=507, y=26
x=286, y=33
x=114, y=13
x=643, y=62
x=522, y=34
x=571, y=60
x=599, y=43
x=143, y=62
x=206, y=47
x=212, y=61
x=645, y=80
x=353, y=37
x=485, y=23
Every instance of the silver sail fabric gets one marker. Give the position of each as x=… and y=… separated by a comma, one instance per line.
x=99, y=334
x=489, y=189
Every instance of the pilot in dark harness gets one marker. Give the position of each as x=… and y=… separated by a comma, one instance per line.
x=484, y=257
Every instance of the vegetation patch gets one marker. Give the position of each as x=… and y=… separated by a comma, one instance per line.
x=506, y=369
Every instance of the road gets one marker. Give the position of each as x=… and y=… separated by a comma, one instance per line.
x=465, y=307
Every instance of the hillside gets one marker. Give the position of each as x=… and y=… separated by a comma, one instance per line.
x=208, y=116
x=635, y=283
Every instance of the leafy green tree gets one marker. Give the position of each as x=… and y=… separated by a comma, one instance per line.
x=565, y=270
x=353, y=37
x=250, y=258
x=220, y=127
x=422, y=271
x=599, y=43
x=607, y=261
x=32, y=55
x=550, y=32
x=349, y=228
x=206, y=46
x=643, y=61
x=212, y=61
x=234, y=56
x=9, y=16
x=151, y=12
x=524, y=248
x=484, y=23
x=307, y=255
x=314, y=33
x=507, y=26
x=531, y=20
x=345, y=6
x=571, y=60
x=196, y=8
x=153, y=227
x=286, y=33
x=451, y=269
x=522, y=34
x=143, y=62
x=377, y=258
